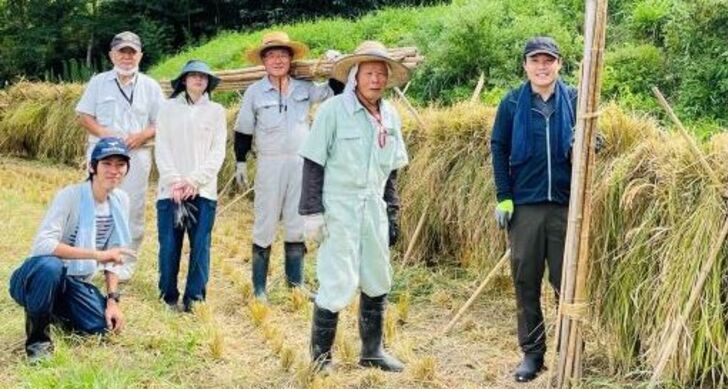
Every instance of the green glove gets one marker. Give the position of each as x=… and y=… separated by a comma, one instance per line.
x=503, y=213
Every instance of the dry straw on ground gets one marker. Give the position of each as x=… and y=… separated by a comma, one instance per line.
x=654, y=219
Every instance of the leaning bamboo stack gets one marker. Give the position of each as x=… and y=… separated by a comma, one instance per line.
x=573, y=303
x=237, y=80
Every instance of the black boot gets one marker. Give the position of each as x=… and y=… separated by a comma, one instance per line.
x=529, y=367
x=294, y=262
x=261, y=257
x=371, y=323
x=323, y=332
x=38, y=344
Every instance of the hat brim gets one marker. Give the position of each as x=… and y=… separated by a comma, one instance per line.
x=178, y=86
x=547, y=52
x=299, y=49
x=127, y=44
x=400, y=74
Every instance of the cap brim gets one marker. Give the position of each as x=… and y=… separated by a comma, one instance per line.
x=127, y=44
x=547, y=52
x=299, y=49
x=400, y=73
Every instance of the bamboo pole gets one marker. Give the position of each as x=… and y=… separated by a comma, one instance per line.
x=415, y=236
x=235, y=200
x=478, y=88
x=576, y=260
x=471, y=300
x=410, y=108
x=684, y=134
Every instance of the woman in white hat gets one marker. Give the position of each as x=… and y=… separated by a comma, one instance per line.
x=190, y=149
x=349, y=200
x=275, y=111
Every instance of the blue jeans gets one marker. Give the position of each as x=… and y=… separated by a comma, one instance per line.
x=42, y=287
x=199, y=233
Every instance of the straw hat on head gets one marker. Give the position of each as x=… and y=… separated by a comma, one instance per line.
x=272, y=40
x=371, y=51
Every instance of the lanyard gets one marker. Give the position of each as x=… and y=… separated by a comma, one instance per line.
x=129, y=99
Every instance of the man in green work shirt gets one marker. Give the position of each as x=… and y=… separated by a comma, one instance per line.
x=350, y=163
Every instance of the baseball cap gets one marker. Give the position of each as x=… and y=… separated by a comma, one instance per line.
x=541, y=45
x=126, y=39
x=109, y=146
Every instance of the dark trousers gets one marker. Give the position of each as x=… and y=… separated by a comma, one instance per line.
x=537, y=235
x=42, y=287
x=199, y=233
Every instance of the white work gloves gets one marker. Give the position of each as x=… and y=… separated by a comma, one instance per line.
x=241, y=174
x=314, y=227
x=332, y=55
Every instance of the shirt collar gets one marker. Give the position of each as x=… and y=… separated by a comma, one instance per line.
x=352, y=105
x=111, y=76
x=268, y=86
x=182, y=99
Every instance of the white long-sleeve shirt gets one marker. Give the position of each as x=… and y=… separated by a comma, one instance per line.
x=190, y=143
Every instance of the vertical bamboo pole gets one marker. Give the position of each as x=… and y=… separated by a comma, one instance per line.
x=576, y=250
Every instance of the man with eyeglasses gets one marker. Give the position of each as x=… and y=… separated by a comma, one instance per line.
x=275, y=111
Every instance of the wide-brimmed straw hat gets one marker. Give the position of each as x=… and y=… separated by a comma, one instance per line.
x=198, y=66
x=272, y=40
x=371, y=51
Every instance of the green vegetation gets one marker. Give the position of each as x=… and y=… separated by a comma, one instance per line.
x=677, y=45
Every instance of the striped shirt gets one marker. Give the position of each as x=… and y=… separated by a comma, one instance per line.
x=104, y=225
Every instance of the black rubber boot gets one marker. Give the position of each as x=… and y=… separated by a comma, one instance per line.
x=294, y=262
x=261, y=258
x=38, y=344
x=323, y=332
x=530, y=366
x=371, y=324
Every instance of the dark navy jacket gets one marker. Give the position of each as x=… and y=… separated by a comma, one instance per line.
x=543, y=178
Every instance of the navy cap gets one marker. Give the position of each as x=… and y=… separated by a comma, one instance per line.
x=126, y=39
x=541, y=45
x=109, y=146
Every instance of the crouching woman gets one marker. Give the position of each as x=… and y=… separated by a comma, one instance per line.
x=85, y=230
x=190, y=148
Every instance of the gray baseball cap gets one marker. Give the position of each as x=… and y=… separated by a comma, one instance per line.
x=541, y=45
x=126, y=39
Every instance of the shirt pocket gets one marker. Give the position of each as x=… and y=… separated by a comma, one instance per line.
x=386, y=151
x=269, y=116
x=106, y=111
x=349, y=147
x=300, y=108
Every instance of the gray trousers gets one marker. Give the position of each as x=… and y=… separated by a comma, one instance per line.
x=537, y=234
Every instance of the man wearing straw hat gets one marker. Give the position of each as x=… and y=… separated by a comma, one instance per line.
x=274, y=112
x=124, y=102
x=350, y=203
x=531, y=147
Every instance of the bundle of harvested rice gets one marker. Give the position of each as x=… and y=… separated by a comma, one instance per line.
x=237, y=80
